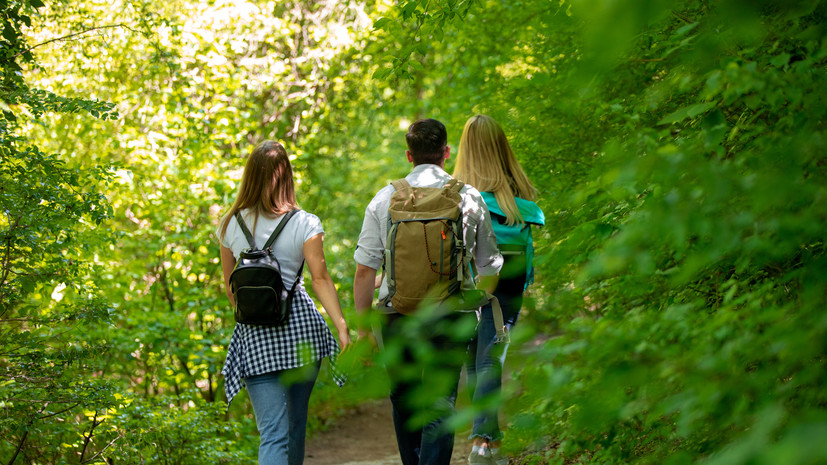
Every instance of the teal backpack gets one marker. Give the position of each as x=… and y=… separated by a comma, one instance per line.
x=516, y=238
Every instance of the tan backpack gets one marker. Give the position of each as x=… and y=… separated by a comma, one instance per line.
x=424, y=251
x=425, y=256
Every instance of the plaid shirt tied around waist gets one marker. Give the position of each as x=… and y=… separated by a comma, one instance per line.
x=255, y=350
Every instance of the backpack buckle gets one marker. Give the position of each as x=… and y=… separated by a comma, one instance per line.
x=505, y=338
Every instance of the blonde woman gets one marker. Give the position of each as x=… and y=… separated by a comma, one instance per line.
x=485, y=160
x=279, y=364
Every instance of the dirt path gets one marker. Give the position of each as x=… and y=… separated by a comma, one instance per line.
x=365, y=436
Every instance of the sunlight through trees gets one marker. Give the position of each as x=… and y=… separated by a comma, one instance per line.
x=679, y=150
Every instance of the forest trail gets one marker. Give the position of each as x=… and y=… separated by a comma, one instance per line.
x=365, y=436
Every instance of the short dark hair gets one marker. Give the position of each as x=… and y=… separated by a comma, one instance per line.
x=426, y=140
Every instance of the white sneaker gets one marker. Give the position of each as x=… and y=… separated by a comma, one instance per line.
x=480, y=455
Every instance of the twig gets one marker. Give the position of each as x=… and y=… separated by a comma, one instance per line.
x=58, y=412
x=19, y=447
x=421, y=20
x=92, y=458
x=682, y=17
x=87, y=438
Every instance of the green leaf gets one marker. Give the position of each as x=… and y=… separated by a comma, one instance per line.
x=408, y=8
x=686, y=29
x=690, y=111
x=781, y=60
x=381, y=73
x=381, y=23
x=438, y=34
x=9, y=32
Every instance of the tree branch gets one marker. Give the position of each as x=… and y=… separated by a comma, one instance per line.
x=7, y=257
x=162, y=277
x=682, y=17
x=69, y=36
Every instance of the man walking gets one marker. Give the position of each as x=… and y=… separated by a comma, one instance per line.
x=430, y=343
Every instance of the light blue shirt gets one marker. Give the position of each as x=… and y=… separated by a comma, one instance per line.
x=478, y=235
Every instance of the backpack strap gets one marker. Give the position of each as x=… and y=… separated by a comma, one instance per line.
x=402, y=186
x=455, y=185
x=251, y=240
x=278, y=229
x=478, y=298
x=499, y=325
x=247, y=234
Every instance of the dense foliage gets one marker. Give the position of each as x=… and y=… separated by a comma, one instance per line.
x=678, y=148
x=694, y=328
x=53, y=318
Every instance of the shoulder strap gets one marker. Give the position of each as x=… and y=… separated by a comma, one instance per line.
x=454, y=184
x=401, y=185
x=246, y=231
x=298, y=278
x=278, y=229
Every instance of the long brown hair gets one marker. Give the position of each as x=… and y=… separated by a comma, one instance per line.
x=266, y=185
x=485, y=160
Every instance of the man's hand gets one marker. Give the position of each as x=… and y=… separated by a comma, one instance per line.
x=364, y=285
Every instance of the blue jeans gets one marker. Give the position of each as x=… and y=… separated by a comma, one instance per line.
x=424, y=376
x=485, y=366
x=280, y=400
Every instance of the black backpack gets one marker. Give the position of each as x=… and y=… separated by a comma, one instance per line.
x=258, y=290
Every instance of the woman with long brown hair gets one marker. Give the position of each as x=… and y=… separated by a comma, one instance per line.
x=485, y=160
x=278, y=365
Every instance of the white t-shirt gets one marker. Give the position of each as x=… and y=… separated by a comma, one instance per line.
x=288, y=246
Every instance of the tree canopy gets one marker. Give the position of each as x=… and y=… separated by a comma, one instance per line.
x=678, y=148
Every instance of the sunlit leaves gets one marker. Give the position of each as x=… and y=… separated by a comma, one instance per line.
x=677, y=146
x=418, y=25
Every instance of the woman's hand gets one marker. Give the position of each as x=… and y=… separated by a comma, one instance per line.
x=344, y=333
x=344, y=340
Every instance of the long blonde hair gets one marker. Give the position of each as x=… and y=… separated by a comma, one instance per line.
x=266, y=185
x=485, y=161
